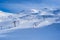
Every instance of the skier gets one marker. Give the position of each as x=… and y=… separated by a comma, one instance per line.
x=14, y=23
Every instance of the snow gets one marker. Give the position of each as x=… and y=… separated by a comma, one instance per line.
x=10, y=21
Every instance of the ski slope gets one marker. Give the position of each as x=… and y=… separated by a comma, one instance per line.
x=33, y=19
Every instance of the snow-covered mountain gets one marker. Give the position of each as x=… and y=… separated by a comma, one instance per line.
x=32, y=18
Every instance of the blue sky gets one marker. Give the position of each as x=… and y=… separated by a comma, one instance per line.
x=18, y=5
x=47, y=33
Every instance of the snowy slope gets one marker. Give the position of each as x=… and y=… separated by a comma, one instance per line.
x=32, y=19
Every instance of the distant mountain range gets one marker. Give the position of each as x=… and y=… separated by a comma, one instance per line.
x=32, y=18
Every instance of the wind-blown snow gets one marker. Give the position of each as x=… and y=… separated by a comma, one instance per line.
x=34, y=19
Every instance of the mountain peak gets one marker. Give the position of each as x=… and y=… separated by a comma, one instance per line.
x=34, y=10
